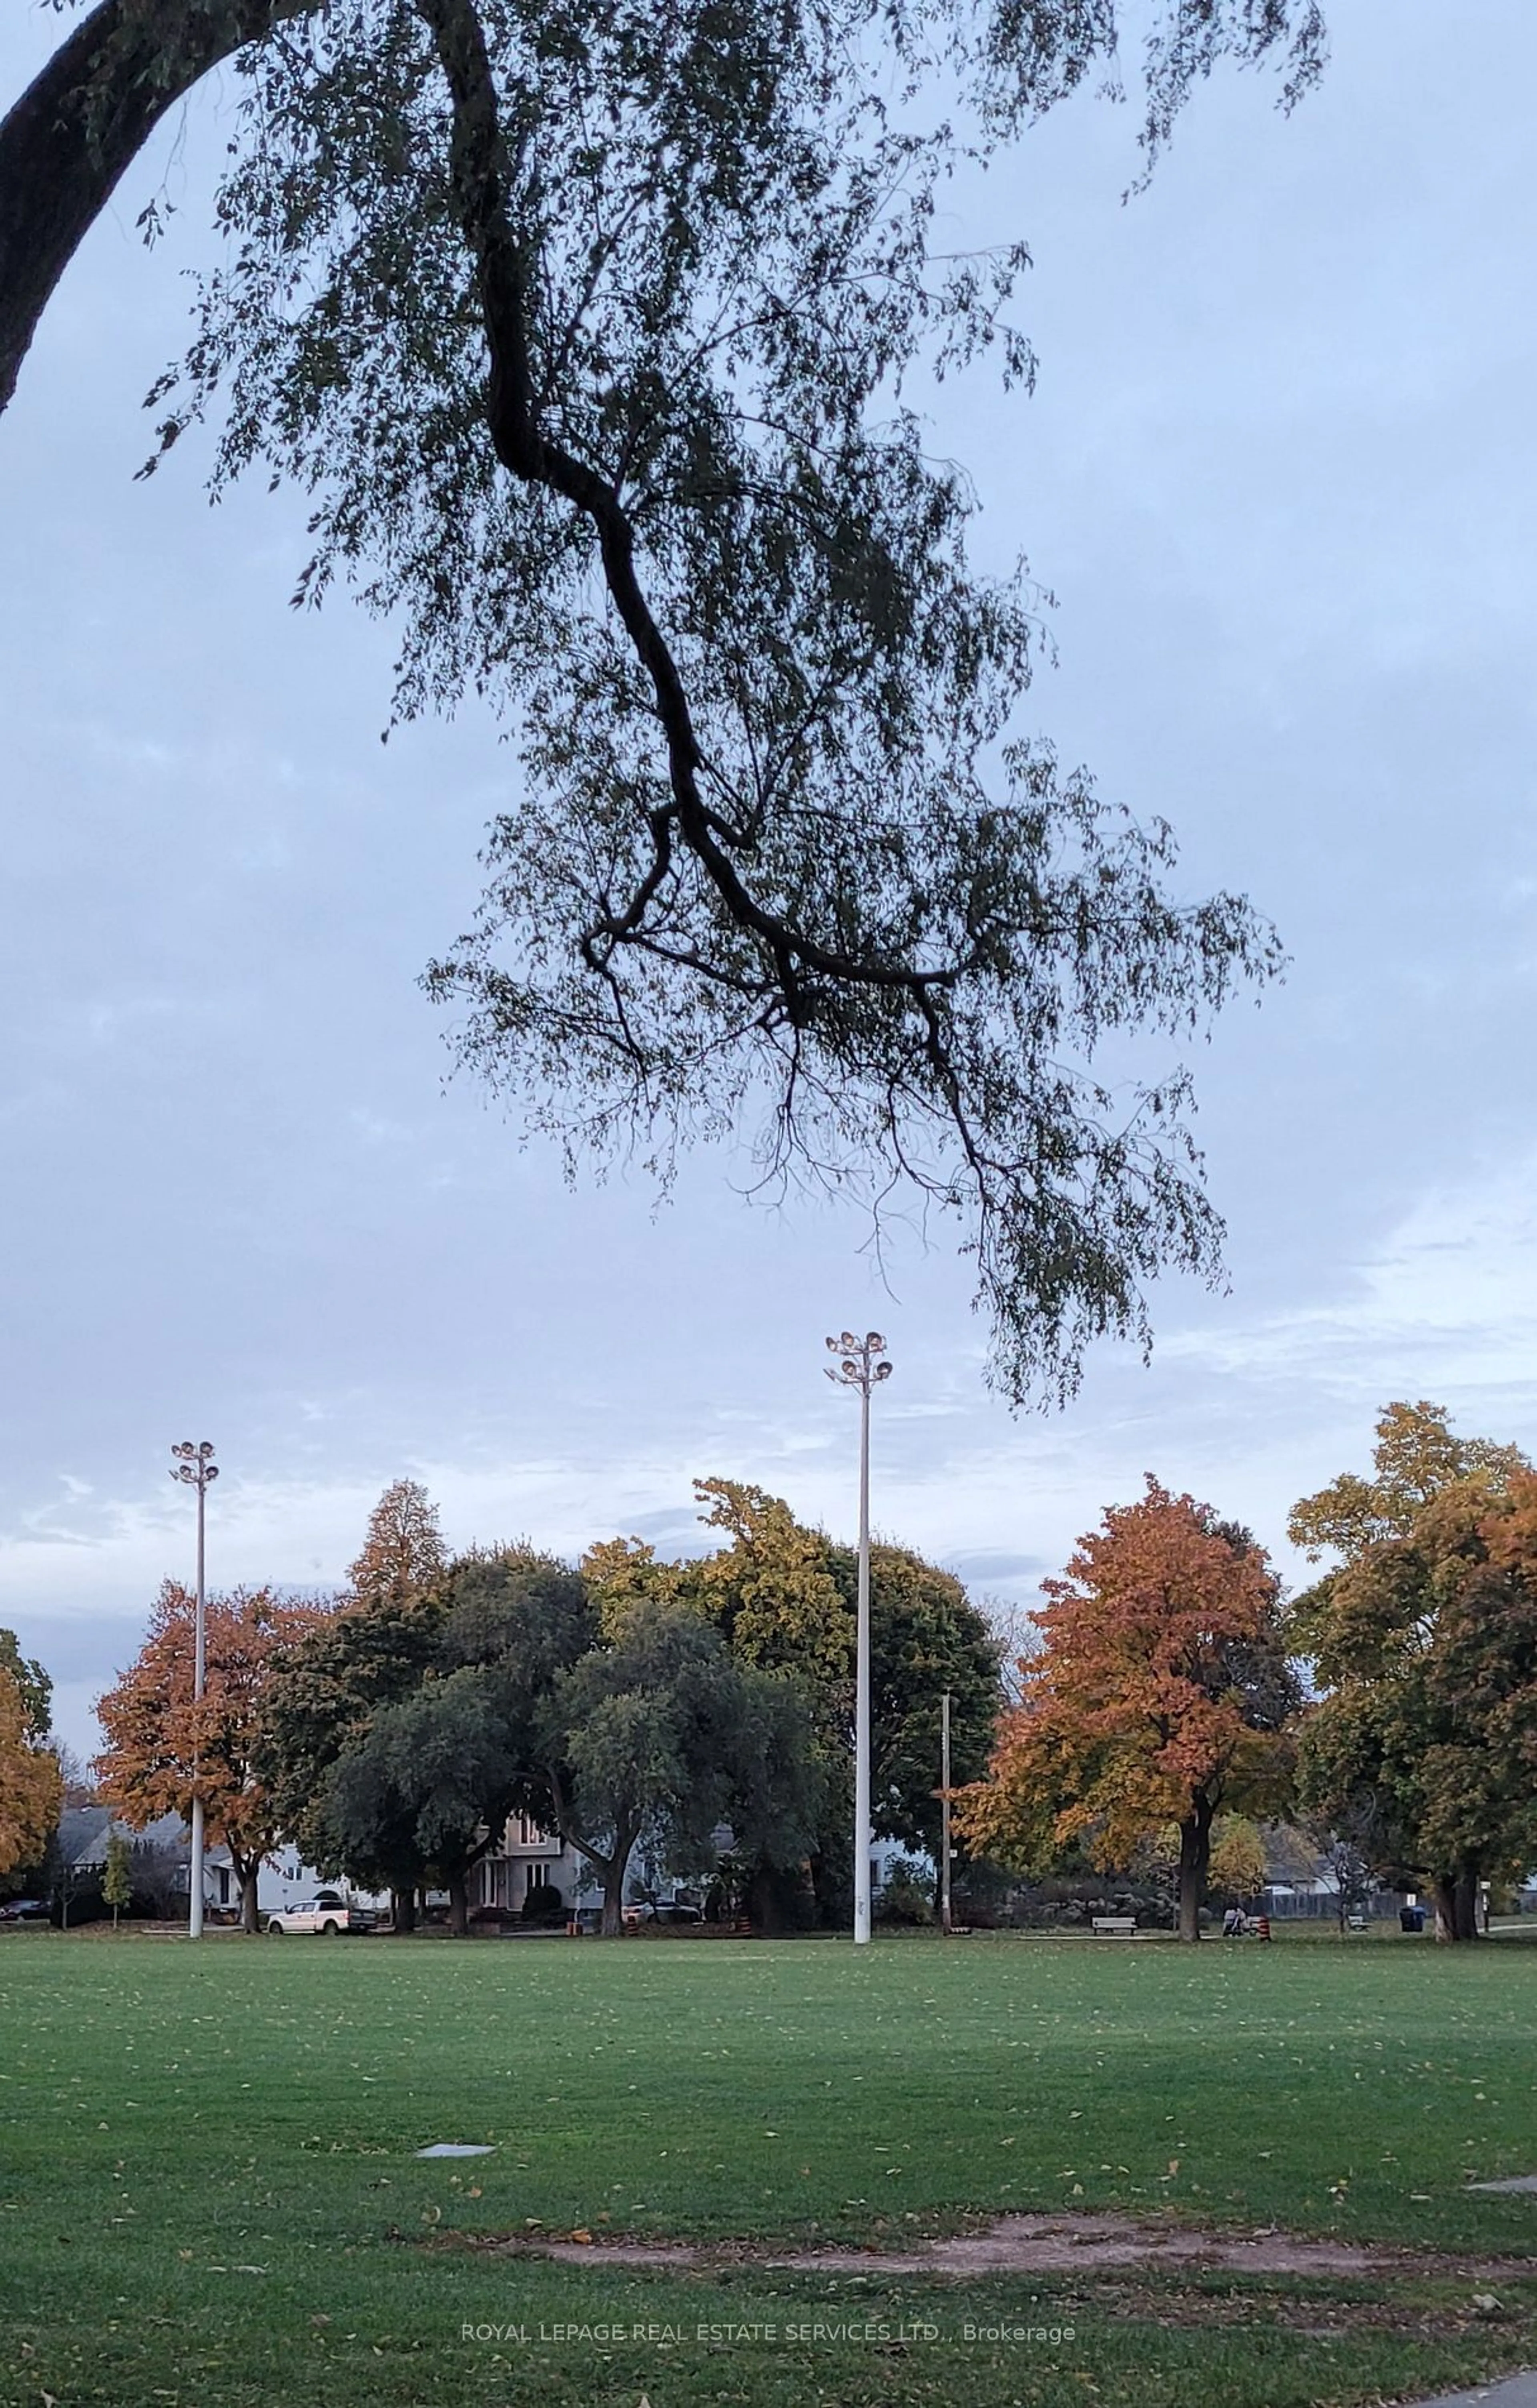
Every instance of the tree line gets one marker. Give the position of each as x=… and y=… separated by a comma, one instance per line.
x=1392, y=1705
x=389, y=1733
x=1169, y=1699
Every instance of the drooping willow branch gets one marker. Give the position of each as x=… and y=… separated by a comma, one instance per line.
x=484, y=179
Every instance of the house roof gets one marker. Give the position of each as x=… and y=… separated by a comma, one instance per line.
x=85, y=1830
x=1290, y=1859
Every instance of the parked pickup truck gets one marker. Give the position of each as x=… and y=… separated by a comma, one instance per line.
x=327, y=1912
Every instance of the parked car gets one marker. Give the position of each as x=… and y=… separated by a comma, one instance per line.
x=328, y=1913
x=664, y=1910
x=24, y=1910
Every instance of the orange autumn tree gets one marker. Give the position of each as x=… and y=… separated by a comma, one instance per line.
x=155, y=1734
x=1161, y=1692
x=31, y=1784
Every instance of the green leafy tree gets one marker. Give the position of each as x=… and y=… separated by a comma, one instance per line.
x=906, y=1894
x=31, y=1792
x=322, y=1702
x=623, y=1573
x=1424, y=1644
x=666, y=1734
x=425, y=1790
x=926, y=1636
x=1371, y=1627
x=402, y=1733
x=772, y=1593
x=783, y=1595
x=117, y=1876
x=32, y=1686
x=590, y=337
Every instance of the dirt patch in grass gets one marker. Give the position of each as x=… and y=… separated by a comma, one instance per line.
x=1025, y=2245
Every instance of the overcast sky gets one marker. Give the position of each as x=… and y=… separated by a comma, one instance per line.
x=1281, y=473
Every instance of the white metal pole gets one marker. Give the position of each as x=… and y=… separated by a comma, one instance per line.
x=194, y=1903
x=862, y=1685
x=945, y=1812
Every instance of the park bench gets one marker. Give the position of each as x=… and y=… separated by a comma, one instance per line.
x=1114, y=1927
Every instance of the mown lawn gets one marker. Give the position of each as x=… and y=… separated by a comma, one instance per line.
x=209, y=2194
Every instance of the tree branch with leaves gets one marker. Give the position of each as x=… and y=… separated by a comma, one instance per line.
x=593, y=337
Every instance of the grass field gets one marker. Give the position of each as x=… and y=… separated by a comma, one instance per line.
x=210, y=2196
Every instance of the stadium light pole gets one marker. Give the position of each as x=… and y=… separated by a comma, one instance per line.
x=196, y=1467
x=944, y=1923
x=862, y=1365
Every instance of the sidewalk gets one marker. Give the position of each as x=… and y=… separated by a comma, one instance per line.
x=1515, y=2391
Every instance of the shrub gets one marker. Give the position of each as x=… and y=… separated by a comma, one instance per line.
x=544, y=1905
x=907, y=1895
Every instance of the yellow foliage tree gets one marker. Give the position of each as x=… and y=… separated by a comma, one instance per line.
x=31, y=1784
x=1237, y=1867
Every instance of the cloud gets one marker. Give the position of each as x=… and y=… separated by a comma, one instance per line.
x=988, y=1564
x=376, y=1129
x=1446, y=1303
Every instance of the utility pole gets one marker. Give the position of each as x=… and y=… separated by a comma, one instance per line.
x=862, y=1367
x=195, y=1465
x=945, y=1812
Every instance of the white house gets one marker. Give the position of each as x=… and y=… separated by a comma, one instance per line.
x=525, y=1856
x=282, y=1880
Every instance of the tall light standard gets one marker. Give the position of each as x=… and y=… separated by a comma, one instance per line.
x=862, y=1367
x=195, y=1465
x=945, y=1812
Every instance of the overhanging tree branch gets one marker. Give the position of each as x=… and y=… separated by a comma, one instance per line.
x=776, y=841
x=83, y=121
x=484, y=179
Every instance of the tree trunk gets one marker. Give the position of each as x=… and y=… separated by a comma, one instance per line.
x=1195, y=1849
x=762, y=1904
x=1465, y=1905
x=459, y=1905
x=610, y=1869
x=613, y=1867
x=250, y=1919
x=83, y=120
x=403, y=1909
x=613, y=1898
x=1455, y=1896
